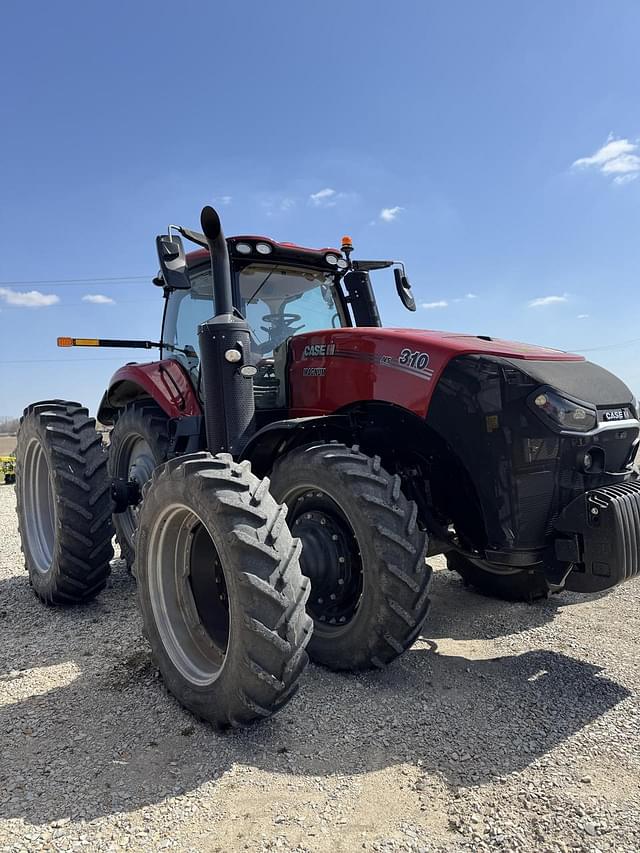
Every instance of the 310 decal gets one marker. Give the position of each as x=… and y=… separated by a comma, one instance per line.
x=414, y=358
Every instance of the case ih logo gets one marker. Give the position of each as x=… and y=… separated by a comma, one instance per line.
x=617, y=414
x=318, y=350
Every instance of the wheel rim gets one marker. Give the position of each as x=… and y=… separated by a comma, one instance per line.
x=39, y=506
x=330, y=558
x=136, y=462
x=188, y=594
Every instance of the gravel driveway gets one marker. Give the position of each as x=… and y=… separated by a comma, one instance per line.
x=509, y=727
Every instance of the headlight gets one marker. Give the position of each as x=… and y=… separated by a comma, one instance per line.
x=566, y=414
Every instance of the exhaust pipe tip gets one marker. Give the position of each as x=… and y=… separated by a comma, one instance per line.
x=210, y=223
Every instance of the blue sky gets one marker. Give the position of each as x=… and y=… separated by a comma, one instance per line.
x=500, y=138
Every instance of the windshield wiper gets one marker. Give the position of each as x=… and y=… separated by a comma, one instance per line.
x=261, y=285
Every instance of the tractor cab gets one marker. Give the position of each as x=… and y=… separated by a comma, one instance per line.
x=281, y=290
x=277, y=298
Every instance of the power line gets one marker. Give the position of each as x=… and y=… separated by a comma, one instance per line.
x=59, y=282
x=6, y=306
x=57, y=362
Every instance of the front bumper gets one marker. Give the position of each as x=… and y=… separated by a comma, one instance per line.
x=600, y=534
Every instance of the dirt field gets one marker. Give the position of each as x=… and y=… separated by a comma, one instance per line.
x=7, y=444
x=509, y=727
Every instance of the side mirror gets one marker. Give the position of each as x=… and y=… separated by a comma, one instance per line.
x=173, y=263
x=404, y=289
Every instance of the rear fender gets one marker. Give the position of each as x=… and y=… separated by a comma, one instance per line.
x=166, y=382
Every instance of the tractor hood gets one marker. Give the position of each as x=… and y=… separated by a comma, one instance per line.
x=566, y=372
x=332, y=368
x=457, y=344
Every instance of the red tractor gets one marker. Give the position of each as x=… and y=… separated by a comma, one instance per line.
x=381, y=447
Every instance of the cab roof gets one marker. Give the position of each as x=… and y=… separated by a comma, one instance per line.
x=290, y=252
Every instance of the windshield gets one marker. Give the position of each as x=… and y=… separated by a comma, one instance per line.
x=277, y=300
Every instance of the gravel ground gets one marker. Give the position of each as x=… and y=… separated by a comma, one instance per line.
x=508, y=727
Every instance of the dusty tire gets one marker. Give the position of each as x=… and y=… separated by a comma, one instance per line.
x=520, y=585
x=212, y=541
x=361, y=545
x=139, y=443
x=63, y=502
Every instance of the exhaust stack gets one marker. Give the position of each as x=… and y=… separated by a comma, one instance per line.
x=220, y=268
x=225, y=353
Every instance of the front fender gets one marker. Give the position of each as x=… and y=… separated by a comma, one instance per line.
x=267, y=444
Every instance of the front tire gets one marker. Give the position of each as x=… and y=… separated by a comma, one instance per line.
x=139, y=443
x=519, y=585
x=220, y=589
x=362, y=549
x=63, y=502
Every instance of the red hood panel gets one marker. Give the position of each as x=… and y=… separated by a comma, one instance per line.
x=457, y=344
x=334, y=368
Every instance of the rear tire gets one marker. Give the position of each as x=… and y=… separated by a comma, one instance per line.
x=362, y=549
x=139, y=443
x=520, y=585
x=63, y=502
x=220, y=589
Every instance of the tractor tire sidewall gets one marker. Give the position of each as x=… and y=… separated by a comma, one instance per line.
x=44, y=583
x=238, y=695
x=142, y=419
x=365, y=641
x=522, y=585
x=82, y=551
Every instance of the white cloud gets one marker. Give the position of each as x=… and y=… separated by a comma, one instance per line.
x=583, y=316
x=28, y=298
x=224, y=199
x=543, y=301
x=625, y=179
x=471, y=296
x=388, y=214
x=323, y=198
x=98, y=299
x=618, y=157
x=442, y=303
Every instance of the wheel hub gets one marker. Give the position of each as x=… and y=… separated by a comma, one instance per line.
x=188, y=594
x=136, y=464
x=39, y=506
x=330, y=558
